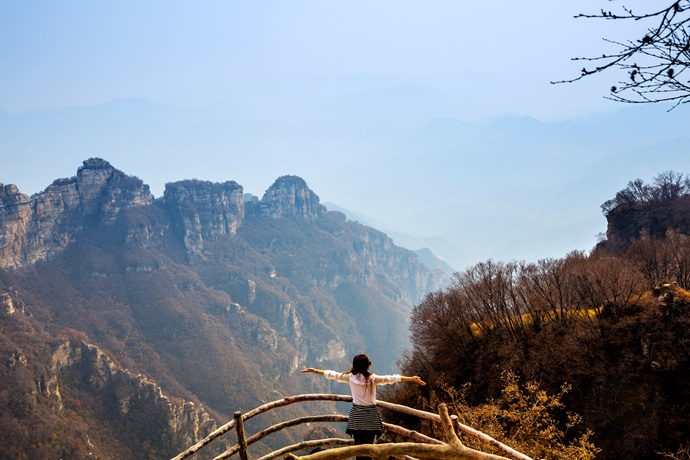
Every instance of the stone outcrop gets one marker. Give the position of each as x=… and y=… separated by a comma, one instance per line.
x=15, y=219
x=34, y=228
x=10, y=306
x=137, y=400
x=288, y=196
x=202, y=210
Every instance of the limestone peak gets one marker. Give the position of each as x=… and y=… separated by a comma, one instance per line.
x=290, y=196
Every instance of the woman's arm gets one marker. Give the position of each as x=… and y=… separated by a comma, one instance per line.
x=414, y=379
x=331, y=375
x=394, y=378
x=311, y=369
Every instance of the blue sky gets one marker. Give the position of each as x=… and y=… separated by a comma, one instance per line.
x=498, y=56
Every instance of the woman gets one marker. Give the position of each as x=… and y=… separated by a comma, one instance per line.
x=364, y=423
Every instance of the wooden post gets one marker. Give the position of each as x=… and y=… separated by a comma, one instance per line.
x=241, y=439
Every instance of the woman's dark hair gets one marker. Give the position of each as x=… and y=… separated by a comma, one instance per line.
x=360, y=365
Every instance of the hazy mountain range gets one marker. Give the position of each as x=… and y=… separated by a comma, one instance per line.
x=506, y=187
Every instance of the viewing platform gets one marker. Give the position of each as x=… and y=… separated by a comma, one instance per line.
x=343, y=448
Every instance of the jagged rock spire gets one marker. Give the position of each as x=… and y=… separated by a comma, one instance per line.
x=290, y=196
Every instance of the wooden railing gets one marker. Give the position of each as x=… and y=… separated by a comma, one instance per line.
x=425, y=445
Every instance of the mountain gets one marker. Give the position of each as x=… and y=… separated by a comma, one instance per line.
x=198, y=303
x=469, y=190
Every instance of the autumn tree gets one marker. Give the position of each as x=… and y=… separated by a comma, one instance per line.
x=605, y=284
x=666, y=187
x=662, y=260
x=526, y=417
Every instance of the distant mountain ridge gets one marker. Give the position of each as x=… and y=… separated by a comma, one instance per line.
x=504, y=187
x=417, y=245
x=218, y=299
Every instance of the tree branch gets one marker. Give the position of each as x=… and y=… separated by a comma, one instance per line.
x=663, y=54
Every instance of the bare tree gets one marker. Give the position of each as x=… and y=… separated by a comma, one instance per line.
x=663, y=260
x=551, y=282
x=442, y=325
x=655, y=64
x=681, y=257
x=668, y=186
x=654, y=259
x=604, y=280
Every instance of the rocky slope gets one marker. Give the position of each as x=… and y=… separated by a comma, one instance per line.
x=53, y=382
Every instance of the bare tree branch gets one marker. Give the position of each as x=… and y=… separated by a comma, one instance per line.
x=654, y=64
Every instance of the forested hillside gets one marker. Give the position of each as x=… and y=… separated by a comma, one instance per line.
x=607, y=334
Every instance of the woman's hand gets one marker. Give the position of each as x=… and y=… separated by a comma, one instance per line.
x=416, y=379
x=311, y=369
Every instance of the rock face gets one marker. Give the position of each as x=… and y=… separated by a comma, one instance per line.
x=204, y=210
x=631, y=222
x=136, y=399
x=15, y=218
x=32, y=229
x=378, y=249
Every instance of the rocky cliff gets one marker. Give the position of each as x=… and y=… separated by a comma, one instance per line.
x=130, y=398
x=204, y=210
x=34, y=228
x=631, y=222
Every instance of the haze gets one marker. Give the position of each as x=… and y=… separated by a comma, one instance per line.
x=412, y=114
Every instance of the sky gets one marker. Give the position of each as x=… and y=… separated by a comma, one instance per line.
x=339, y=93
x=499, y=56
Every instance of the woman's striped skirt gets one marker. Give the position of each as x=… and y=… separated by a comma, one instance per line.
x=365, y=418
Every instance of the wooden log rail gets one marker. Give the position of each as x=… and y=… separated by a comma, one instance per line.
x=424, y=447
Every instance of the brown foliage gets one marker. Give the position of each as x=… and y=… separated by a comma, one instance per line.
x=525, y=417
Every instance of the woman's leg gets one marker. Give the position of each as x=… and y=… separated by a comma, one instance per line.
x=364, y=437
